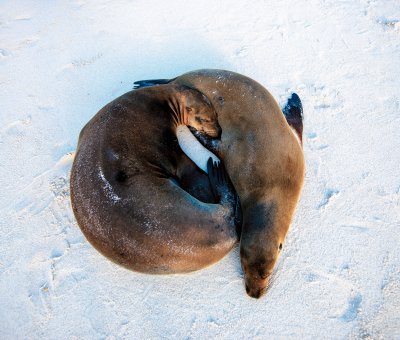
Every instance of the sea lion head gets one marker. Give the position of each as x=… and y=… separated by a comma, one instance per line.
x=199, y=113
x=260, y=247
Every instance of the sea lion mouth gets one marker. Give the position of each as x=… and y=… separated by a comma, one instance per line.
x=255, y=293
x=212, y=133
x=257, y=289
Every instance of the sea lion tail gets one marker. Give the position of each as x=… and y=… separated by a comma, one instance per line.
x=151, y=82
x=293, y=112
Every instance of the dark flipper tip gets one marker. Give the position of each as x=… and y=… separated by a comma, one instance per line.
x=151, y=82
x=218, y=177
x=293, y=108
x=293, y=112
x=214, y=175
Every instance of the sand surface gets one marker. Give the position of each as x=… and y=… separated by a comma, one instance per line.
x=339, y=273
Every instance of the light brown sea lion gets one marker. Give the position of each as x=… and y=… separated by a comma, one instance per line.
x=264, y=159
x=129, y=178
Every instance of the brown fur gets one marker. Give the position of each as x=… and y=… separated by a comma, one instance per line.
x=128, y=180
x=264, y=160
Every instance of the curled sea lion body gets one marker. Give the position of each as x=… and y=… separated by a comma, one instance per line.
x=265, y=162
x=132, y=186
x=264, y=159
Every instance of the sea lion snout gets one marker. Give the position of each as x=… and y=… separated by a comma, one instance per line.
x=215, y=131
x=257, y=273
x=256, y=289
x=205, y=121
x=256, y=278
x=254, y=293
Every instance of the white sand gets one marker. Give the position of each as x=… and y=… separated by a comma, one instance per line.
x=339, y=274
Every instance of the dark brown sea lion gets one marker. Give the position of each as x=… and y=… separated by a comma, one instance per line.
x=130, y=183
x=264, y=159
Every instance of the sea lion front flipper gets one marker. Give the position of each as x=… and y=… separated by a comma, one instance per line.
x=224, y=192
x=192, y=148
x=293, y=112
x=220, y=183
x=151, y=82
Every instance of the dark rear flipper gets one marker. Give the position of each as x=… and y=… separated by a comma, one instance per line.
x=152, y=82
x=293, y=112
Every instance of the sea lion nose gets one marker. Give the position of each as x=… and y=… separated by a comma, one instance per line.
x=254, y=292
x=257, y=294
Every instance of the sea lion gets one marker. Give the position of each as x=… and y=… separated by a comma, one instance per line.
x=130, y=182
x=264, y=159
